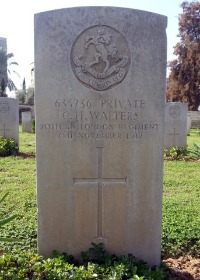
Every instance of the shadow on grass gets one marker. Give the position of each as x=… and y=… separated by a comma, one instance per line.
x=26, y=155
x=180, y=275
x=183, y=268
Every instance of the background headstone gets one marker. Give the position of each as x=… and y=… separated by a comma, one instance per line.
x=9, y=118
x=26, y=108
x=189, y=123
x=99, y=88
x=175, y=125
x=195, y=118
x=26, y=121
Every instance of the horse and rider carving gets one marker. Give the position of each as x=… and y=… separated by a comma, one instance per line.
x=100, y=43
x=100, y=65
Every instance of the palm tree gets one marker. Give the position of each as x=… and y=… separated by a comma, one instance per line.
x=5, y=72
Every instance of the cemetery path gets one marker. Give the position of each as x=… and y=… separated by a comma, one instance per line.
x=184, y=268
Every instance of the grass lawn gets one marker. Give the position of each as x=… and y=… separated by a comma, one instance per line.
x=18, y=177
x=181, y=200
x=181, y=211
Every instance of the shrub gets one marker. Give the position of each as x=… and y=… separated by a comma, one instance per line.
x=32, y=266
x=33, y=125
x=196, y=150
x=21, y=96
x=176, y=153
x=8, y=147
x=25, y=97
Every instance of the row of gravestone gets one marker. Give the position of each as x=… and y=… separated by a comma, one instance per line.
x=177, y=123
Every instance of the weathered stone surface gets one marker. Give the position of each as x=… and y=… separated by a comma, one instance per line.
x=99, y=87
x=9, y=118
x=175, y=125
x=26, y=121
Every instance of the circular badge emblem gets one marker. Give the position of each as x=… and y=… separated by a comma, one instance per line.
x=174, y=111
x=100, y=57
x=4, y=106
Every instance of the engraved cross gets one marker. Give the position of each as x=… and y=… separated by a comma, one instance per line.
x=174, y=135
x=100, y=180
x=4, y=130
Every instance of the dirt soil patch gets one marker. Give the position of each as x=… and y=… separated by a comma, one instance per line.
x=26, y=155
x=182, y=159
x=184, y=268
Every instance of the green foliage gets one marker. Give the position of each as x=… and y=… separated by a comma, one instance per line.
x=7, y=147
x=183, y=81
x=6, y=221
x=18, y=177
x=193, y=137
x=191, y=151
x=5, y=71
x=33, y=125
x=20, y=95
x=29, y=96
x=196, y=150
x=180, y=234
x=181, y=212
x=176, y=153
x=25, y=96
x=32, y=266
x=97, y=254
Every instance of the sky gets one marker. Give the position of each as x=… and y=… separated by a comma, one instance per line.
x=17, y=23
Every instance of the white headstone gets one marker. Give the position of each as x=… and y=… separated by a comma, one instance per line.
x=195, y=118
x=175, y=125
x=26, y=121
x=9, y=118
x=189, y=123
x=99, y=88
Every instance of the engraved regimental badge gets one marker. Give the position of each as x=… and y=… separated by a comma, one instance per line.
x=4, y=106
x=100, y=57
x=174, y=111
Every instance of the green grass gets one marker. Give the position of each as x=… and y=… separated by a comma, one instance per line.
x=193, y=137
x=181, y=211
x=27, y=142
x=181, y=200
x=18, y=177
